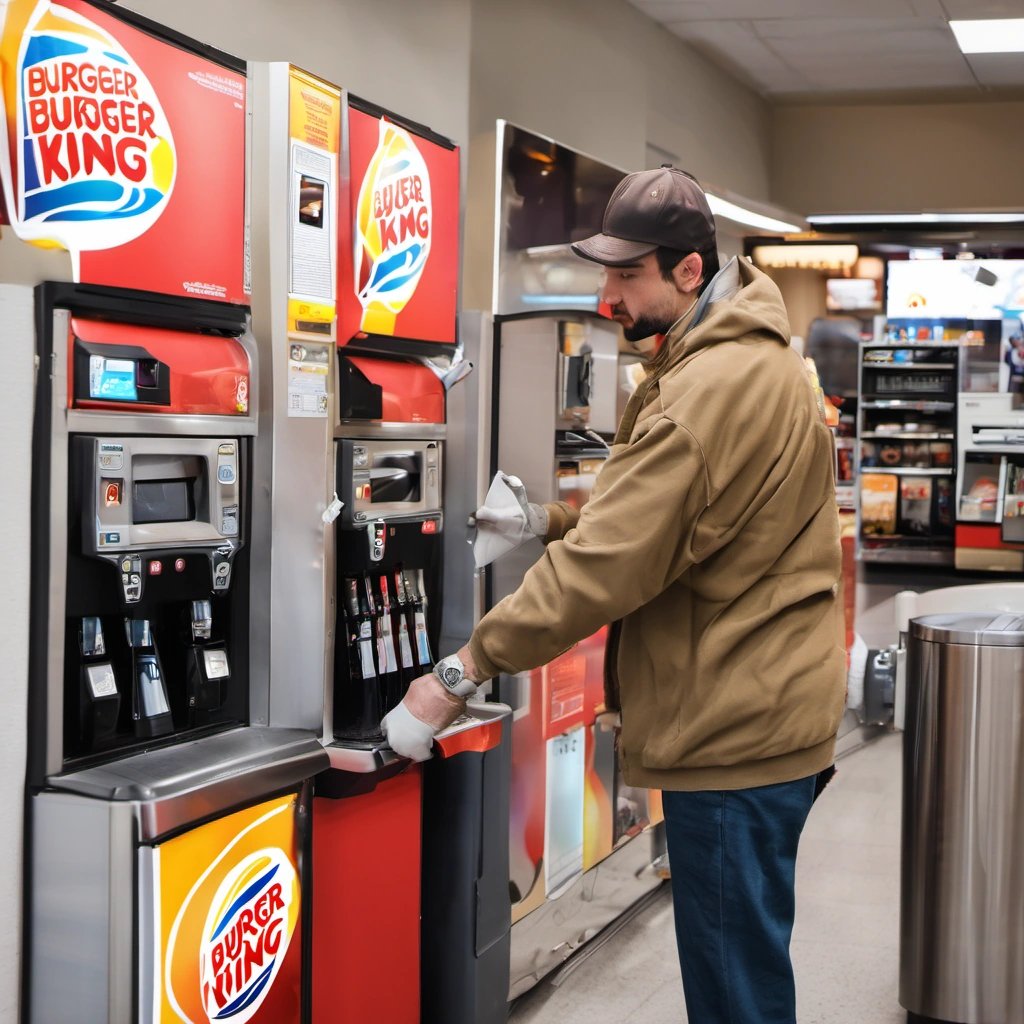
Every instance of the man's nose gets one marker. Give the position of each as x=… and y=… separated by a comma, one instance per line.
x=609, y=293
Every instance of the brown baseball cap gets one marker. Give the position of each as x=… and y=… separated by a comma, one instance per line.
x=663, y=207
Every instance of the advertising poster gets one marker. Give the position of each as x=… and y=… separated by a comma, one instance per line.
x=398, y=262
x=315, y=132
x=879, y=493
x=228, y=938
x=124, y=149
x=308, y=368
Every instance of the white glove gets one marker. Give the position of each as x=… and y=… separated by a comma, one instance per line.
x=506, y=519
x=536, y=515
x=426, y=709
x=407, y=735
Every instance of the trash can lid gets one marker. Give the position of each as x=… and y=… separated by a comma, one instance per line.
x=983, y=629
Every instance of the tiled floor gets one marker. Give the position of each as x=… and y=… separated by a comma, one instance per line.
x=845, y=948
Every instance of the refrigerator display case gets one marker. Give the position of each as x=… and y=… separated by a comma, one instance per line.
x=906, y=452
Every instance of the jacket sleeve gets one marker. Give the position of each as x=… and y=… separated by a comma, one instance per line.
x=562, y=517
x=632, y=539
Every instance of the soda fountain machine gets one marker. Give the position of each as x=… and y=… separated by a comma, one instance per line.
x=362, y=445
x=166, y=822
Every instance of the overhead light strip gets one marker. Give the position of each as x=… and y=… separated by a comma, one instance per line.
x=723, y=208
x=989, y=35
x=915, y=218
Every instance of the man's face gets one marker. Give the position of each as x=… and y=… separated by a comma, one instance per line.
x=642, y=301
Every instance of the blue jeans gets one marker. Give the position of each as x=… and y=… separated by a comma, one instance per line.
x=733, y=858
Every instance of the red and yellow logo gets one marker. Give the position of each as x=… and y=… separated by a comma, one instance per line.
x=228, y=929
x=393, y=229
x=92, y=162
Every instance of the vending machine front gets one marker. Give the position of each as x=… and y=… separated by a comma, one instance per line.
x=188, y=820
x=165, y=817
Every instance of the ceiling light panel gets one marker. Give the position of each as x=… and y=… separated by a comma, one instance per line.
x=990, y=35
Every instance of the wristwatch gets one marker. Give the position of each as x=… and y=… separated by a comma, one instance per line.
x=452, y=674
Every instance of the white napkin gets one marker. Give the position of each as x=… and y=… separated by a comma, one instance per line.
x=500, y=522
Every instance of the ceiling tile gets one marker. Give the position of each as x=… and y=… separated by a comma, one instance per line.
x=731, y=10
x=997, y=69
x=984, y=8
x=735, y=46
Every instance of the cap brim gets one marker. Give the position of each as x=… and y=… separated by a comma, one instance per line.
x=612, y=251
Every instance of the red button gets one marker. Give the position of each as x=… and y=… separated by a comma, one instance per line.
x=156, y=567
x=179, y=565
x=113, y=495
x=429, y=526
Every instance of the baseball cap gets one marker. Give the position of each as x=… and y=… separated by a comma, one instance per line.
x=662, y=207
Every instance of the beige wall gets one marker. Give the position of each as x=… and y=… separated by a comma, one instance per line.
x=898, y=157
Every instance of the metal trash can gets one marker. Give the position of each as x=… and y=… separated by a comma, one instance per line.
x=962, y=868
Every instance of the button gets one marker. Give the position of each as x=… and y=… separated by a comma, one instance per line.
x=179, y=565
x=156, y=567
x=226, y=473
x=429, y=526
x=228, y=448
x=136, y=580
x=126, y=565
x=223, y=568
x=112, y=495
x=228, y=525
x=124, y=578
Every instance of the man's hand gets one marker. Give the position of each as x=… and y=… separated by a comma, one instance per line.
x=425, y=710
x=536, y=515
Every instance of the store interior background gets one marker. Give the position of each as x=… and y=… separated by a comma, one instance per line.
x=880, y=118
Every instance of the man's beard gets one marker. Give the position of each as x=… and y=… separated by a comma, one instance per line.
x=645, y=326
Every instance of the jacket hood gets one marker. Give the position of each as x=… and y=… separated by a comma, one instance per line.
x=741, y=300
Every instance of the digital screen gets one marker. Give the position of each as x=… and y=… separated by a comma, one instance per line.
x=163, y=501
x=112, y=379
x=395, y=477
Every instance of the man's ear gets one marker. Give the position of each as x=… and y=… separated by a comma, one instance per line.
x=688, y=272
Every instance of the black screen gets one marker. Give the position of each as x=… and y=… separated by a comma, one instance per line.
x=163, y=501
x=395, y=477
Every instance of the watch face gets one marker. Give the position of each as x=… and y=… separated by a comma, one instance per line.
x=452, y=676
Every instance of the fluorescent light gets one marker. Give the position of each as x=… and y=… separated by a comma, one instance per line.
x=925, y=254
x=723, y=208
x=915, y=218
x=990, y=35
x=813, y=257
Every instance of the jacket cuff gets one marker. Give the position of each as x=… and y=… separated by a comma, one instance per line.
x=481, y=662
x=562, y=517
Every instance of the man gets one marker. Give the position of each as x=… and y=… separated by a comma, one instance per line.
x=712, y=534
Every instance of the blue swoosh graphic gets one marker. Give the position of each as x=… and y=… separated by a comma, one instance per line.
x=72, y=194
x=404, y=260
x=244, y=898
x=249, y=996
x=114, y=56
x=396, y=166
x=42, y=48
x=152, y=197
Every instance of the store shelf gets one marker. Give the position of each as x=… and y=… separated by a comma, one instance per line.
x=907, y=435
x=909, y=470
x=869, y=364
x=908, y=556
x=916, y=405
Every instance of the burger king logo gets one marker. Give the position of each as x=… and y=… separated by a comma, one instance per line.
x=393, y=228
x=93, y=149
x=247, y=933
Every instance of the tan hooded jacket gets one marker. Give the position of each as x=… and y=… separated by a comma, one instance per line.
x=712, y=533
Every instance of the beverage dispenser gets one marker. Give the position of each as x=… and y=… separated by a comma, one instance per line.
x=383, y=827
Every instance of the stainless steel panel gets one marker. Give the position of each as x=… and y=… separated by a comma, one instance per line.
x=391, y=431
x=178, y=785
x=467, y=480
x=962, y=880
x=81, y=916
x=290, y=619
x=553, y=932
x=85, y=421
x=148, y=924
x=991, y=629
